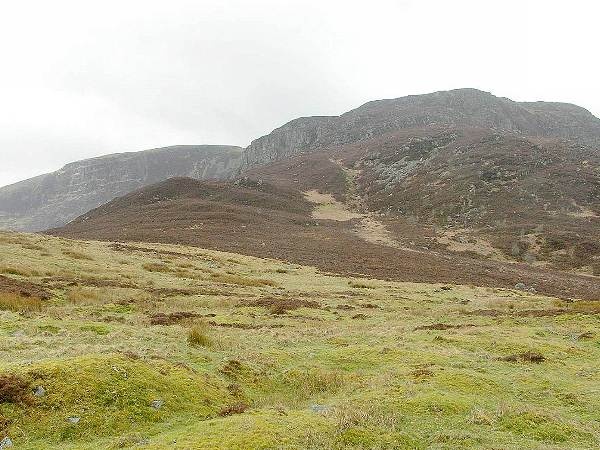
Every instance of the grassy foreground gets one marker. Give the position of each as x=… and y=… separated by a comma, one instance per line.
x=158, y=346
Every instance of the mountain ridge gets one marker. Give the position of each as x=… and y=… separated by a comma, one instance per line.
x=466, y=107
x=451, y=109
x=55, y=198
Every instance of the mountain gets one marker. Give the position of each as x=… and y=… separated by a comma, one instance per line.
x=490, y=177
x=266, y=220
x=459, y=172
x=54, y=199
x=482, y=192
x=456, y=108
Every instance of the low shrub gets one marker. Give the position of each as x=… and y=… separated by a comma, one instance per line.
x=360, y=285
x=237, y=408
x=14, y=389
x=239, y=280
x=529, y=356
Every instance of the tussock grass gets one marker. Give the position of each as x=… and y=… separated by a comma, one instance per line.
x=17, y=303
x=314, y=381
x=79, y=294
x=589, y=307
x=360, y=285
x=158, y=267
x=30, y=246
x=198, y=335
x=240, y=280
x=19, y=271
x=76, y=255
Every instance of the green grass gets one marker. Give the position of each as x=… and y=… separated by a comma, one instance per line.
x=423, y=369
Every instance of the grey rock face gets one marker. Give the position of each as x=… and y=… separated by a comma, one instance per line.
x=461, y=107
x=54, y=199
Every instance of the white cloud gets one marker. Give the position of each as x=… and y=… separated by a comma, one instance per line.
x=80, y=79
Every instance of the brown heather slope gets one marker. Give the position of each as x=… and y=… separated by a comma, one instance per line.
x=261, y=219
x=471, y=189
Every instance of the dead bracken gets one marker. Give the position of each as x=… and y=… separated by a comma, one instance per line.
x=175, y=317
x=236, y=408
x=282, y=305
x=14, y=389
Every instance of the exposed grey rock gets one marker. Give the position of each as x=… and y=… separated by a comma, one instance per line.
x=54, y=199
x=157, y=404
x=39, y=391
x=520, y=286
x=73, y=419
x=6, y=443
x=319, y=409
x=460, y=107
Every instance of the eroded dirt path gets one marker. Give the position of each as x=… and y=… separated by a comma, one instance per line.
x=368, y=228
x=328, y=208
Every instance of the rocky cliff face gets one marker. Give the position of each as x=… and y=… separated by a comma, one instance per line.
x=54, y=199
x=457, y=108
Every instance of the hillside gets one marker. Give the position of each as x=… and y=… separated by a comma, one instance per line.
x=108, y=345
x=272, y=220
x=484, y=193
x=56, y=198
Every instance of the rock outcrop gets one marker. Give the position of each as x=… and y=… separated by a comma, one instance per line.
x=456, y=108
x=56, y=198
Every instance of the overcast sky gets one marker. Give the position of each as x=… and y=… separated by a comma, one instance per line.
x=88, y=77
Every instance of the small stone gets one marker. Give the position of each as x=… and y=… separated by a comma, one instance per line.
x=73, y=419
x=520, y=286
x=5, y=443
x=319, y=409
x=39, y=391
x=157, y=404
